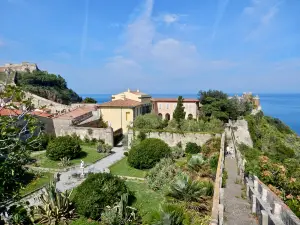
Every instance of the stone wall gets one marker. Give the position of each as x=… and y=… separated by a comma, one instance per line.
x=217, y=215
x=61, y=127
x=267, y=206
x=172, y=139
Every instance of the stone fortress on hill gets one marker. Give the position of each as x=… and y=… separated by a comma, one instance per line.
x=22, y=67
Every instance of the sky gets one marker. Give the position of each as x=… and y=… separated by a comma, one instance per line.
x=157, y=46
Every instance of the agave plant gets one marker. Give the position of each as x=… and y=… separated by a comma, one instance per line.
x=65, y=161
x=187, y=189
x=196, y=162
x=121, y=213
x=171, y=215
x=56, y=207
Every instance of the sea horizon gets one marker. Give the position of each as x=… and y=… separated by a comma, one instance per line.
x=284, y=106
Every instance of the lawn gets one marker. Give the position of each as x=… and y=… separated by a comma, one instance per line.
x=37, y=183
x=122, y=168
x=89, y=155
x=147, y=201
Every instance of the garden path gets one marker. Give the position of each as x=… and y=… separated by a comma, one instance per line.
x=67, y=182
x=237, y=208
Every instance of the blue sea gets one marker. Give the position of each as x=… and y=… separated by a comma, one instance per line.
x=285, y=107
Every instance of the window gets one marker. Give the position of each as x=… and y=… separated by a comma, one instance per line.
x=159, y=106
x=167, y=106
x=127, y=116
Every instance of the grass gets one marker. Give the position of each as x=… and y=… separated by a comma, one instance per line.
x=122, y=168
x=37, y=183
x=84, y=221
x=89, y=156
x=147, y=201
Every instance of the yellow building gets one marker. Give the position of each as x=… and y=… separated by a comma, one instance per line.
x=124, y=108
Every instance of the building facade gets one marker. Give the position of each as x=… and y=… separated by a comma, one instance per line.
x=124, y=107
x=164, y=107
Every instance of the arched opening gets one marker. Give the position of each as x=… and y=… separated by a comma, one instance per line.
x=190, y=116
x=160, y=115
x=167, y=116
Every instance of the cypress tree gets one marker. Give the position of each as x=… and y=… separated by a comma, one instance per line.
x=179, y=112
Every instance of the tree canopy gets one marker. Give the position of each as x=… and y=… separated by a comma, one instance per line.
x=89, y=100
x=179, y=113
x=47, y=85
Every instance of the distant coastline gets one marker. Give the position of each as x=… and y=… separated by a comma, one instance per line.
x=285, y=107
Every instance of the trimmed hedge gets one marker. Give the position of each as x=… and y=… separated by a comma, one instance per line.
x=65, y=146
x=192, y=148
x=96, y=192
x=147, y=153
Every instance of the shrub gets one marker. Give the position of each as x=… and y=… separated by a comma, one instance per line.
x=171, y=214
x=213, y=162
x=162, y=174
x=192, y=148
x=104, y=148
x=186, y=189
x=196, y=162
x=65, y=146
x=147, y=153
x=96, y=192
x=126, y=153
x=148, y=121
x=141, y=136
x=177, y=152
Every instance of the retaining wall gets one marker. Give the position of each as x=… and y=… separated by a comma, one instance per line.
x=172, y=139
x=217, y=215
x=268, y=207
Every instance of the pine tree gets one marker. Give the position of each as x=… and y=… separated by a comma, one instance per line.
x=179, y=112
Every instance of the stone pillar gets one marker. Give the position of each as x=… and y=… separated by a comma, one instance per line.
x=130, y=137
x=253, y=203
x=264, y=194
x=255, y=182
x=109, y=134
x=264, y=218
x=277, y=209
x=247, y=190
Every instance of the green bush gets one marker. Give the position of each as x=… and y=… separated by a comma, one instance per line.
x=147, y=153
x=192, y=148
x=96, y=192
x=65, y=146
x=148, y=121
x=162, y=174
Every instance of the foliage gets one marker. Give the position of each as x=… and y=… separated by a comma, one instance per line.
x=120, y=214
x=162, y=174
x=141, y=136
x=104, y=148
x=146, y=154
x=148, y=121
x=171, y=214
x=89, y=100
x=122, y=168
x=192, y=148
x=224, y=178
x=177, y=152
x=196, y=162
x=96, y=192
x=179, y=113
x=213, y=162
x=56, y=207
x=64, y=146
x=19, y=135
x=18, y=215
x=186, y=189
x=212, y=146
x=64, y=162
x=216, y=104
x=46, y=85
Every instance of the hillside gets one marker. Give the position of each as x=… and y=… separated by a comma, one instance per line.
x=49, y=86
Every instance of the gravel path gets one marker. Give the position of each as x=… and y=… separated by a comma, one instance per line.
x=68, y=182
x=237, y=209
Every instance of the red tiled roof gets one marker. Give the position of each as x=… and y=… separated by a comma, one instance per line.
x=2, y=69
x=75, y=113
x=174, y=100
x=10, y=112
x=41, y=114
x=121, y=103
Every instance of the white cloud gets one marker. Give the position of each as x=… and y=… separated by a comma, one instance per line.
x=170, y=18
